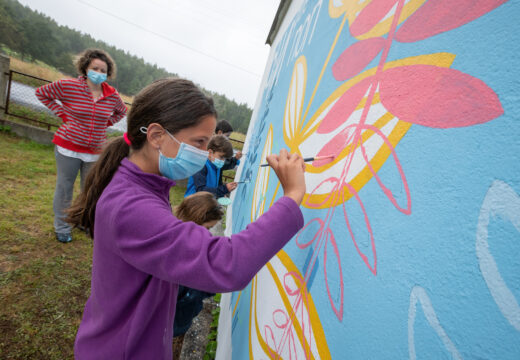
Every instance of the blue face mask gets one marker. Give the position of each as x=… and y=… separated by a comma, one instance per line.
x=218, y=163
x=188, y=162
x=96, y=77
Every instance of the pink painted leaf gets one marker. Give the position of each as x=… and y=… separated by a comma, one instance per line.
x=437, y=16
x=293, y=283
x=328, y=187
x=356, y=57
x=344, y=107
x=280, y=319
x=270, y=340
x=389, y=194
x=437, y=97
x=331, y=241
x=372, y=268
x=334, y=147
x=370, y=16
x=312, y=230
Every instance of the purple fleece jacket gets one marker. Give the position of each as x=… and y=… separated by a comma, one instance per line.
x=142, y=253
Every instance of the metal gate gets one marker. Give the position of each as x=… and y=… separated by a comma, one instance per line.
x=21, y=102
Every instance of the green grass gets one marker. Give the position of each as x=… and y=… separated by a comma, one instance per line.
x=114, y=133
x=237, y=136
x=29, y=80
x=211, y=347
x=43, y=284
x=34, y=68
x=44, y=117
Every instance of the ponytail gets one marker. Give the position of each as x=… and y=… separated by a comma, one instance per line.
x=83, y=210
x=173, y=103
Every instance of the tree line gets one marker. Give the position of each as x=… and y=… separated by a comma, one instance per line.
x=35, y=36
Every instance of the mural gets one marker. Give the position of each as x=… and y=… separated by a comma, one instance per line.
x=412, y=234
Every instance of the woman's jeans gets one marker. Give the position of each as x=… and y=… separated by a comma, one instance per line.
x=67, y=171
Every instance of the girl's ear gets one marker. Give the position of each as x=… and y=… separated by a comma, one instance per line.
x=155, y=135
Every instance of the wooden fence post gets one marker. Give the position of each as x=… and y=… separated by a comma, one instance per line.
x=4, y=77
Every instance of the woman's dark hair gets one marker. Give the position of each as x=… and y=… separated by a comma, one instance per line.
x=86, y=57
x=224, y=126
x=173, y=103
x=221, y=144
x=200, y=208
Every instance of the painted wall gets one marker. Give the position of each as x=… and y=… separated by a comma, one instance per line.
x=411, y=247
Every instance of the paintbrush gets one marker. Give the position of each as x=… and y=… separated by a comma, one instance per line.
x=310, y=159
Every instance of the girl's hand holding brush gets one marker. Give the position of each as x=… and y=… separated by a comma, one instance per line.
x=290, y=170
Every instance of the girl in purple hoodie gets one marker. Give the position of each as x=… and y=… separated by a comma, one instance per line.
x=142, y=252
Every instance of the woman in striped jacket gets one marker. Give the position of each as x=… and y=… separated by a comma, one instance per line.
x=87, y=105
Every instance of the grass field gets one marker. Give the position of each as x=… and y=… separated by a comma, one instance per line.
x=237, y=136
x=43, y=284
x=22, y=114
x=37, y=69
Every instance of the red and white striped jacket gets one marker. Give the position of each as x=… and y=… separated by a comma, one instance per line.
x=84, y=120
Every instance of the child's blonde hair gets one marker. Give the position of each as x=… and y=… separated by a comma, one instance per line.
x=201, y=207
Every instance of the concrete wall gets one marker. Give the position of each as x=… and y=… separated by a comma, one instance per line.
x=34, y=133
x=412, y=230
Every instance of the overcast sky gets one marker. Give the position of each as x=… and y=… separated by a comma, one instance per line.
x=218, y=44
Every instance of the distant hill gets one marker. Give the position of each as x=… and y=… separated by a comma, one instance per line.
x=35, y=36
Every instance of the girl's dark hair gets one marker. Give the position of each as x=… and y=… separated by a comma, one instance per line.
x=200, y=208
x=224, y=126
x=173, y=103
x=221, y=144
x=86, y=57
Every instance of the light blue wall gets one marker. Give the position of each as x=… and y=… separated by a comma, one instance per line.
x=448, y=273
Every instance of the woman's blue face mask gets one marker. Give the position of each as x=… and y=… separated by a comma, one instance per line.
x=96, y=77
x=188, y=162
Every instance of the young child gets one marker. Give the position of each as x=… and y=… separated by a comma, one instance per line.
x=142, y=252
x=202, y=208
x=224, y=128
x=210, y=177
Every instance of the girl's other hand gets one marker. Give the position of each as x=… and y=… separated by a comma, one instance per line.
x=290, y=170
x=231, y=186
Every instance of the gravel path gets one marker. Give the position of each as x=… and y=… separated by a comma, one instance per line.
x=196, y=339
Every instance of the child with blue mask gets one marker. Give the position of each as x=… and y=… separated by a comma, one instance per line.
x=209, y=178
x=225, y=128
x=142, y=252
